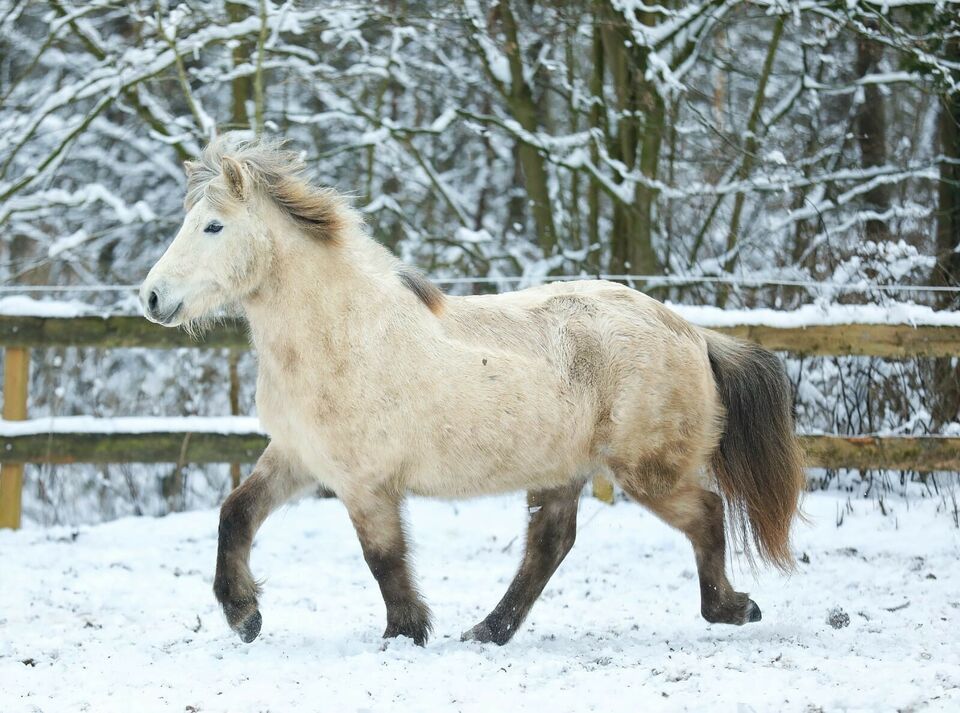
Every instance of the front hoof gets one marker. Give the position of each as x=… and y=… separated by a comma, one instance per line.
x=486, y=634
x=419, y=632
x=752, y=612
x=249, y=628
x=411, y=620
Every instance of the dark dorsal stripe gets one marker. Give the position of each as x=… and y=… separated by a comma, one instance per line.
x=418, y=284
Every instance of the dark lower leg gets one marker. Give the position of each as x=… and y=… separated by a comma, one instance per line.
x=379, y=526
x=698, y=513
x=550, y=535
x=271, y=484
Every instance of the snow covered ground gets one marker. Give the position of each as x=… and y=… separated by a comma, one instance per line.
x=121, y=617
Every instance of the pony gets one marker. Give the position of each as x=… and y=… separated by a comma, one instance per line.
x=375, y=384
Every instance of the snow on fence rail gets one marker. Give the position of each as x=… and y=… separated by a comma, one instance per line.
x=898, y=332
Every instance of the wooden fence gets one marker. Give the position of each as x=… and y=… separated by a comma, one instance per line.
x=180, y=441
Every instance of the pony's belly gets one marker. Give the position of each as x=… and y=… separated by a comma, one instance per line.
x=431, y=445
x=471, y=482
x=461, y=468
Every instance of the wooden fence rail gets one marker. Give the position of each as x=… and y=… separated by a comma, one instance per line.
x=919, y=453
x=895, y=341
x=21, y=444
x=144, y=447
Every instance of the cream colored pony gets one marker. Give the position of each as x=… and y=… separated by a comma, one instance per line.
x=375, y=384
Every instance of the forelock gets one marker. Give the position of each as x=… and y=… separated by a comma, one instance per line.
x=321, y=212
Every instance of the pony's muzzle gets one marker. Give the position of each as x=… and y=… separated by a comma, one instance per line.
x=157, y=306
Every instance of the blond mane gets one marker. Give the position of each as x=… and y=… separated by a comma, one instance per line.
x=320, y=211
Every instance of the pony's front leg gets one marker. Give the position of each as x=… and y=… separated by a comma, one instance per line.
x=550, y=535
x=379, y=524
x=273, y=482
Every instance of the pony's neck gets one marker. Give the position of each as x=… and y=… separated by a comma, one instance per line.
x=337, y=285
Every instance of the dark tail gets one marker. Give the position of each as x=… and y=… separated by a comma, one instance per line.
x=758, y=464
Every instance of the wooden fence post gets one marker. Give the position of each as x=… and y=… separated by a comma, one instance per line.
x=16, y=378
x=233, y=358
x=603, y=489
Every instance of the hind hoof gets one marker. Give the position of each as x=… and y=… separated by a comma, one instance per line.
x=249, y=628
x=486, y=633
x=480, y=632
x=738, y=610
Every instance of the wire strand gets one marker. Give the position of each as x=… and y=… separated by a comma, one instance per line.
x=654, y=280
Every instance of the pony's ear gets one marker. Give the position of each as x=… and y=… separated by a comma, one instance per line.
x=189, y=167
x=234, y=176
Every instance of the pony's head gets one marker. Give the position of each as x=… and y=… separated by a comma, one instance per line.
x=238, y=194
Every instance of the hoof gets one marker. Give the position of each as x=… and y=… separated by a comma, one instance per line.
x=249, y=628
x=419, y=638
x=480, y=633
x=419, y=633
x=738, y=611
x=411, y=620
x=486, y=634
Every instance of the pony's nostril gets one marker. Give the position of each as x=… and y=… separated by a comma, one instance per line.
x=153, y=301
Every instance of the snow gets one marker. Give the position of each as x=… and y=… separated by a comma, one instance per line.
x=775, y=156
x=68, y=242
x=243, y=425
x=89, y=194
x=22, y=306
x=819, y=314
x=121, y=616
x=703, y=315
x=444, y=120
x=131, y=424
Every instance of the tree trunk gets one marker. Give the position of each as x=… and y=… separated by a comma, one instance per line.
x=750, y=148
x=871, y=128
x=643, y=258
x=259, y=97
x=946, y=386
x=526, y=111
x=240, y=86
x=597, y=127
x=636, y=144
x=570, y=56
x=622, y=146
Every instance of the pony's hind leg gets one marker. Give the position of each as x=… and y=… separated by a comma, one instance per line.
x=551, y=532
x=378, y=521
x=272, y=483
x=698, y=513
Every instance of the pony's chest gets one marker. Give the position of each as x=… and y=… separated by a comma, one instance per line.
x=286, y=402
x=318, y=418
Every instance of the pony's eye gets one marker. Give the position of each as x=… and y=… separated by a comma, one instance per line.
x=213, y=227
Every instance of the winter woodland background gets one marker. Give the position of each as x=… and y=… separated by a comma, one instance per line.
x=734, y=153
